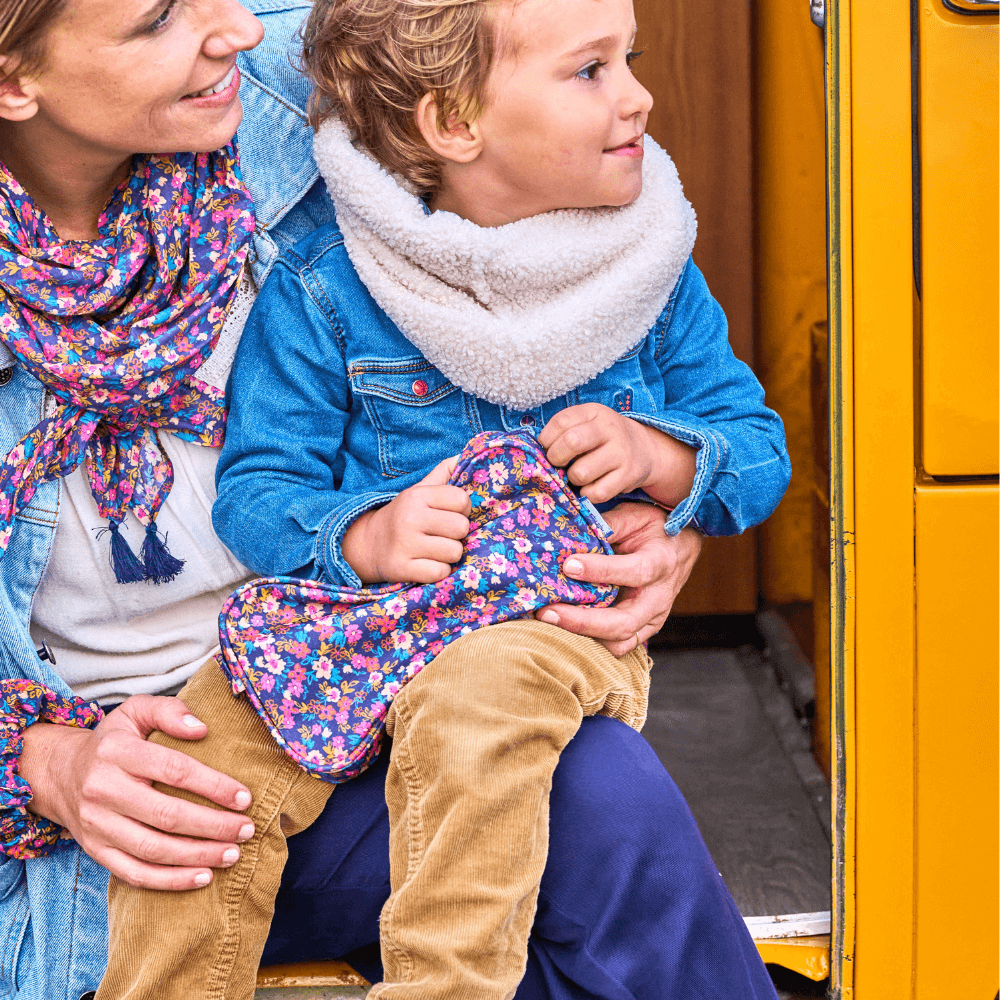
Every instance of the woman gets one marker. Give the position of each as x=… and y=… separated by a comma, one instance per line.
x=86, y=87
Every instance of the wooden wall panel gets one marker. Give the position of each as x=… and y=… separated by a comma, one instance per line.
x=696, y=64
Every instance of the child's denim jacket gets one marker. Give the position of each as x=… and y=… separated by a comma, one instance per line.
x=53, y=910
x=333, y=412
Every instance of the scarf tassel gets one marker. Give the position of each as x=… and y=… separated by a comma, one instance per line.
x=127, y=567
x=158, y=565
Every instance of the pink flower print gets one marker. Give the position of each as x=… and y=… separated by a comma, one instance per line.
x=153, y=200
x=341, y=718
x=375, y=678
x=540, y=518
x=526, y=597
x=402, y=641
x=391, y=689
x=352, y=632
x=323, y=667
x=523, y=515
x=522, y=544
x=395, y=606
x=265, y=682
x=508, y=524
x=274, y=663
x=480, y=476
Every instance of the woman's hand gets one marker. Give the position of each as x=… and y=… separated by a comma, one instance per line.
x=649, y=569
x=97, y=784
x=416, y=537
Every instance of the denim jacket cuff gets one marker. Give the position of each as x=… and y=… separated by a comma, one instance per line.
x=711, y=450
x=329, y=555
x=23, y=703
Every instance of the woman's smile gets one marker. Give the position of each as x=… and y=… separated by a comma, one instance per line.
x=219, y=94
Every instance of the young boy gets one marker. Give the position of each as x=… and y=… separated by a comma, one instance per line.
x=511, y=252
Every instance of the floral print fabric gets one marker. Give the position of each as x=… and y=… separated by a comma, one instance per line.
x=23, y=702
x=322, y=664
x=116, y=327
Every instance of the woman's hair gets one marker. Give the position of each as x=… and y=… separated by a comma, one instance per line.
x=371, y=62
x=23, y=26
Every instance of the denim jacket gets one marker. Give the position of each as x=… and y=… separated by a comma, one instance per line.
x=53, y=910
x=333, y=412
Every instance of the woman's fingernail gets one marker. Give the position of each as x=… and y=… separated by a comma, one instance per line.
x=231, y=856
x=190, y=720
x=572, y=567
x=203, y=878
x=549, y=616
x=243, y=799
x=246, y=832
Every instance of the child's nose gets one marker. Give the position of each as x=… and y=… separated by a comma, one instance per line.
x=637, y=101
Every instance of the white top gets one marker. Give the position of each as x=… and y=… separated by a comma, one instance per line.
x=109, y=639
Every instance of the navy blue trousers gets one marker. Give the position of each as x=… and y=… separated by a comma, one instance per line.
x=631, y=906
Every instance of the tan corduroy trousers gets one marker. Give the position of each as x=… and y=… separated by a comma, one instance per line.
x=476, y=738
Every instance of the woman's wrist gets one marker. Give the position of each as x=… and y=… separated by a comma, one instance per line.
x=46, y=754
x=25, y=704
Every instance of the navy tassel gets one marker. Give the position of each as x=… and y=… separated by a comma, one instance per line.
x=127, y=567
x=159, y=566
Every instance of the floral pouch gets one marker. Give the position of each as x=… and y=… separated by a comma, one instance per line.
x=321, y=664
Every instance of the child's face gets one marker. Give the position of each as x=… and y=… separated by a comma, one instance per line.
x=564, y=116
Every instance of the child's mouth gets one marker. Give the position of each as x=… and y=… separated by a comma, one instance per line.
x=631, y=148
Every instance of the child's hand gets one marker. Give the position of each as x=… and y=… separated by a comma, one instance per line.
x=608, y=454
x=416, y=537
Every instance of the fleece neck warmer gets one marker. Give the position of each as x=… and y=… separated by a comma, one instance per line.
x=522, y=313
x=322, y=664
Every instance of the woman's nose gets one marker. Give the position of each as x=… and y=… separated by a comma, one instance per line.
x=230, y=28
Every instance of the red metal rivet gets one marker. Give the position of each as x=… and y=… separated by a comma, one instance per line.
x=420, y=387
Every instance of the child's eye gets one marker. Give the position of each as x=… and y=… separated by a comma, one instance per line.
x=589, y=72
x=631, y=57
x=164, y=17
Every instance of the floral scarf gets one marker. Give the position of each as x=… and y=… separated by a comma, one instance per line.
x=116, y=328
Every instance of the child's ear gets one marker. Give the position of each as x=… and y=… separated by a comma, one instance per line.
x=453, y=140
x=17, y=99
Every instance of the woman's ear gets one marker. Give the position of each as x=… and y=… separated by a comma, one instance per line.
x=17, y=97
x=460, y=142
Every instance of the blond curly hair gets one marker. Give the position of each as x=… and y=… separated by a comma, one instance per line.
x=371, y=62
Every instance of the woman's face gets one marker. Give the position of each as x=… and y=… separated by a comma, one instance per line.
x=136, y=76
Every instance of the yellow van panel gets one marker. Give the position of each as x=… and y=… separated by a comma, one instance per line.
x=959, y=272
x=956, y=863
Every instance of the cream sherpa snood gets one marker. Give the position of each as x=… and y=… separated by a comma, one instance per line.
x=523, y=313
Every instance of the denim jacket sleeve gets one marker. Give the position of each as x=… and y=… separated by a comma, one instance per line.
x=715, y=404
x=280, y=506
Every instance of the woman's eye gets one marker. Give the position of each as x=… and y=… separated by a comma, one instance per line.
x=164, y=17
x=632, y=56
x=589, y=72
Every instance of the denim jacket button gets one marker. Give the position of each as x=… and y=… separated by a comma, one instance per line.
x=527, y=420
x=419, y=387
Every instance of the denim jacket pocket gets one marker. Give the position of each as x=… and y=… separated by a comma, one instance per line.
x=418, y=415
x=623, y=386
